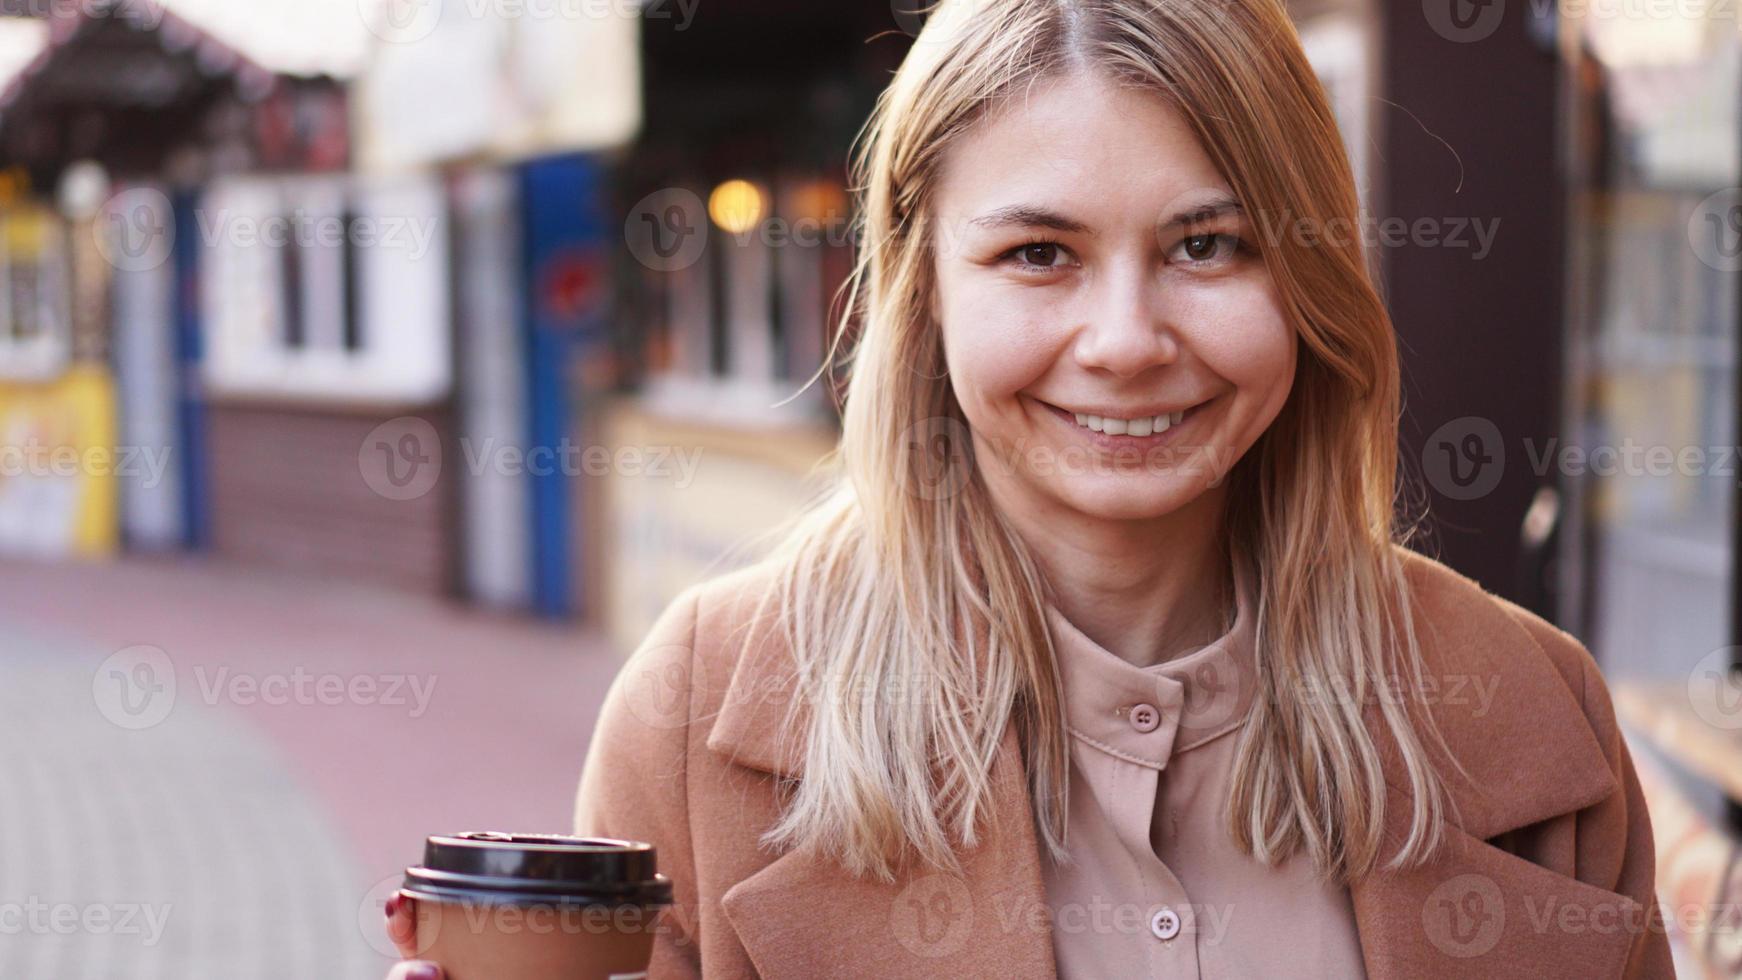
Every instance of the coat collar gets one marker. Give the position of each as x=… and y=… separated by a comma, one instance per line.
x=1506, y=713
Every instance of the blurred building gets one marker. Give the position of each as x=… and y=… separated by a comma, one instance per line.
x=1647, y=570
x=283, y=221
x=534, y=113
x=737, y=226
x=133, y=93
x=478, y=351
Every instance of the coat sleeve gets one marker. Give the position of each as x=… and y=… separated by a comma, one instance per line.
x=634, y=782
x=1616, y=849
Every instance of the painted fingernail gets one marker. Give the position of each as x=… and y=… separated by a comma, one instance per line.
x=423, y=971
x=392, y=904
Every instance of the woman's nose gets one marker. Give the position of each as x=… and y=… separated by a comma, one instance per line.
x=1126, y=329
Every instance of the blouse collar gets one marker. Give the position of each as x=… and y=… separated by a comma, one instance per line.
x=1146, y=714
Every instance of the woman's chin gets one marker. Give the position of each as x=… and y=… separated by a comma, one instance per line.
x=1136, y=497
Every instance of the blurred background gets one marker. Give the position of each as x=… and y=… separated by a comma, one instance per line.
x=372, y=372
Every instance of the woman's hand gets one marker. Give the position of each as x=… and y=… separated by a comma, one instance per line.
x=402, y=929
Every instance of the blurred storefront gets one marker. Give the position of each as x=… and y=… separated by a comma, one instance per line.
x=312, y=285
x=347, y=324
x=56, y=411
x=256, y=335
x=1652, y=139
x=1654, y=151
x=536, y=106
x=737, y=221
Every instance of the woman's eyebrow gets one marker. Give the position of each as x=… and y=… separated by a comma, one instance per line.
x=1034, y=216
x=1209, y=210
x=1030, y=216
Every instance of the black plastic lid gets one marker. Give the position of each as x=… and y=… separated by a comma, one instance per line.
x=484, y=867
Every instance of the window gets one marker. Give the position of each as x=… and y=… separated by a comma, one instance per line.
x=35, y=295
x=327, y=288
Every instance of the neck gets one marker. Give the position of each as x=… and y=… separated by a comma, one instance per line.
x=1145, y=590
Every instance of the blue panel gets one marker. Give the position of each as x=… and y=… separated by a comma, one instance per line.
x=189, y=349
x=564, y=291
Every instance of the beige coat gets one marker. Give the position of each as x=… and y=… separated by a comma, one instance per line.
x=1549, y=874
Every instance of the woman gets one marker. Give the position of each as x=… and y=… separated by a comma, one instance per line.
x=1105, y=657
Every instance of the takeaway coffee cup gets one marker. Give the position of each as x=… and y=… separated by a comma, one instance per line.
x=496, y=906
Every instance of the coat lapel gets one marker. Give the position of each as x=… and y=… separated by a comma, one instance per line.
x=1511, y=720
x=1506, y=714
x=1481, y=912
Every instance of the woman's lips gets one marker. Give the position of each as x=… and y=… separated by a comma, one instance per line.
x=1124, y=441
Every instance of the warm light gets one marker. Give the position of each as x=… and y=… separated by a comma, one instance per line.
x=735, y=206
x=820, y=201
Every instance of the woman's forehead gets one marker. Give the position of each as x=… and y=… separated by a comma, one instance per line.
x=1091, y=150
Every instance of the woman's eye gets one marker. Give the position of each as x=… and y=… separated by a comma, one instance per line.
x=1201, y=249
x=1040, y=255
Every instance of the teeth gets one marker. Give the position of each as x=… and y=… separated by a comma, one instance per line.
x=1136, y=427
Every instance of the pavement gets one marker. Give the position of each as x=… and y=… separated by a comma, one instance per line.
x=215, y=771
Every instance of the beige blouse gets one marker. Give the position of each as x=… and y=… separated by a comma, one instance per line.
x=1156, y=887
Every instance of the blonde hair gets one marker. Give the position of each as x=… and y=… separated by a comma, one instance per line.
x=888, y=584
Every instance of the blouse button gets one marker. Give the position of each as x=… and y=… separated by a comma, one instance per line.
x=1145, y=717
x=1164, y=923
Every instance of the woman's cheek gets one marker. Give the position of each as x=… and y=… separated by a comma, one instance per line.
x=1242, y=335
x=1253, y=349
x=995, y=349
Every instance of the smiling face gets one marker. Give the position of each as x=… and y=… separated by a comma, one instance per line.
x=1071, y=300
